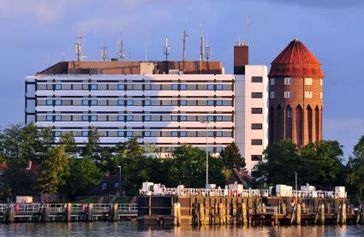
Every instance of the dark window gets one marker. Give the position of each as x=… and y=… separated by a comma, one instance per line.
x=257, y=126
x=257, y=110
x=257, y=157
x=257, y=79
x=256, y=95
x=257, y=141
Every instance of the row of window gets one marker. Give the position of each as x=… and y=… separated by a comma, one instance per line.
x=287, y=81
x=135, y=86
x=129, y=118
x=289, y=94
x=148, y=133
x=132, y=102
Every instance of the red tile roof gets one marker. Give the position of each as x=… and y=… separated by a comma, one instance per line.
x=296, y=61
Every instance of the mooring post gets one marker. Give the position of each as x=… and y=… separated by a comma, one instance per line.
x=343, y=214
x=90, y=212
x=298, y=214
x=68, y=213
x=244, y=213
x=11, y=213
x=44, y=213
x=114, y=212
x=322, y=216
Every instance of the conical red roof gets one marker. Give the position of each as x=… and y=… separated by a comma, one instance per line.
x=296, y=61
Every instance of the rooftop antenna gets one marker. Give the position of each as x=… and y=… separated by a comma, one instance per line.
x=185, y=35
x=104, y=54
x=78, y=48
x=121, y=51
x=202, y=51
x=166, y=47
x=208, y=53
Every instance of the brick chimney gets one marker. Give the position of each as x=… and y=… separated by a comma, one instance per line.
x=241, y=57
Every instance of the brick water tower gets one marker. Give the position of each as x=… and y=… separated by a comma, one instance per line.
x=295, y=96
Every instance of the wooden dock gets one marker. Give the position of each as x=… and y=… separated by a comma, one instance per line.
x=252, y=211
x=66, y=212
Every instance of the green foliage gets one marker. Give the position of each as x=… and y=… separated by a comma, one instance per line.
x=68, y=141
x=231, y=156
x=188, y=167
x=355, y=169
x=84, y=175
x=54, y=171
x=92, y=147
x=319, y=164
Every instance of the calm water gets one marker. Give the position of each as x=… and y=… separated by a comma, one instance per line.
x=129, y=229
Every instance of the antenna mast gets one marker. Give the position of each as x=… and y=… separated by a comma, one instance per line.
x=104, y=54
x=78, y=48
x=185, y=35
x=121, y=52
x=166, y=48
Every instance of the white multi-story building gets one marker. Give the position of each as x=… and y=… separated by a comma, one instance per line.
x=165, y=104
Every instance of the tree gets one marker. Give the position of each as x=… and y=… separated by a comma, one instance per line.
x=232, y=157
x=84, y=175
x=355, y=169
x=68, y=141
x=319, y=164
x=189, y=168
x=92, y=147
x=54, y=171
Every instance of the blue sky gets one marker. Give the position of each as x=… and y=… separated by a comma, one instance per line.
x=38, y=33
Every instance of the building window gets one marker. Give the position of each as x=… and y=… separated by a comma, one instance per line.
x=183, y=134
x=256, y=157
x=210, y=118
x=120, y=118
x=130, y=102
x=308, y=94
x=174, y=134
x=183, y=87
x=129, y=134
x=288, y=81
x=58, y=102
x=272, y=95
x=49, y=118
x=121, y=87
x=210, y=102
x=93, y=118
x=256, y=142
x=288, y=94
x=183, y=102
x=219, y=134
x=93, y=87
x=219, y=118
x=257, y=111
x=219, y=87
x=121, y=102
x=58, y=87
x=147, y=102
x=94, y=102
x=49, y=102
x=219, y=103
x=272, y=81
x=308, y=81
x=84, y=117
x=85, y=102
x=84, y=133
x=147, y=118
x=147, y=134
x=257, y=126
x=183, y=118
x=256, y=95
x=58, y=118
x=210, y=87
x=129, y=118
x=289, y=113
x=174, y=87
x=174, y=118
x=57, y=133
x=257, y=79
x=120, y=133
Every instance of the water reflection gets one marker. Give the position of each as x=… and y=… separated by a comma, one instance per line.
x=133, y=230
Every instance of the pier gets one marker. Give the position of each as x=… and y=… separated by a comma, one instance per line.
x=66, y=212
x=199, y=207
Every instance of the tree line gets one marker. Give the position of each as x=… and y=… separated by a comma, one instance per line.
x=61, y=171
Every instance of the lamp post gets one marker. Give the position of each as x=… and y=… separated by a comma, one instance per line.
x=207, y=152
x=119, y=166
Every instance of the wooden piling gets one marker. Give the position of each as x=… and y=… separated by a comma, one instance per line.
x=90, y=212
x=68, y=213
x=322, y=214
x=114, y=212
